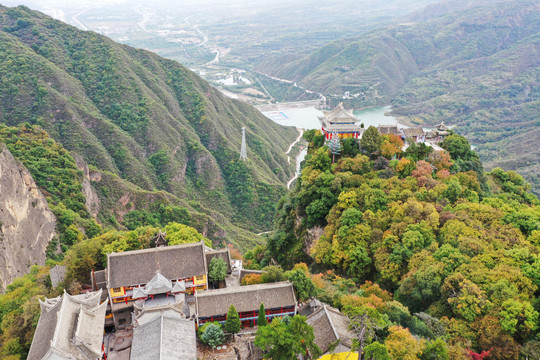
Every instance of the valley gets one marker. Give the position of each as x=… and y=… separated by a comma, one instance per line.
x=269, y=180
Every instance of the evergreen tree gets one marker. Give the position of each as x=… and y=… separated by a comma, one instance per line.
x=213, y=336
x=335, y=146
x=261, y=319
x=233, y=323
x=371, y=140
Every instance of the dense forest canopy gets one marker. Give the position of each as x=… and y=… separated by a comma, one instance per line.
x=420, y=242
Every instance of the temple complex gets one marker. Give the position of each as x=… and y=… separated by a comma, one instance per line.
x=148, y=303
x=342, y=122
x=144, y=275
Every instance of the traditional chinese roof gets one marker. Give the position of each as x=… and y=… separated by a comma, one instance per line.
x=158, y=285
x=340, y=120
x=160, y=240
x=442, y=127
x=139, y=266
x=413, y=131
x=99, y=279
x=244, y=298
x=340, y=116
x=70, y=327
x=165, y=337
x=223, y=254
x=343, y=128
x=330, y=326
x=388, y=129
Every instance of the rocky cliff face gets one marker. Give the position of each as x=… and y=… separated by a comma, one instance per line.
x=26, y=222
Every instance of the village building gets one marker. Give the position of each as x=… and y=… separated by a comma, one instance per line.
x=331, y=330
x=151, y=274
x=341, y=122
x=278, y=299
x=70, y=327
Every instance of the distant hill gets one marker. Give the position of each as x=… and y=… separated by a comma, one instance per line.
x=477, y=68
x=149, y=121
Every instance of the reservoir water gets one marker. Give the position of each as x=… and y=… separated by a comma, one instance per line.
x=375, y=116
x=308, y=118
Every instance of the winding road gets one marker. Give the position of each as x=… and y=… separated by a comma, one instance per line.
x=289, y=159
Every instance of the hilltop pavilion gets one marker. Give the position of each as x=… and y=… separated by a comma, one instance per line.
x=342, y=122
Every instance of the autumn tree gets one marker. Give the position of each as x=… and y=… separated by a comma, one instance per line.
x=402, y=345
x=391, y=146
x=252, y=279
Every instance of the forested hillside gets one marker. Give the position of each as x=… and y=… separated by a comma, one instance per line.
x=475, y=67
x=141, y=121
x=417, y=242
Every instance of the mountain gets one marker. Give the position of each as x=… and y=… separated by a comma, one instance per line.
x=477, y=68
x=149, y=125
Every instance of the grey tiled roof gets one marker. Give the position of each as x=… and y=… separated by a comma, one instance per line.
x=388, y=129
x=413, y=131
x=329, y=326
x=139, y=266
x=70, y=327
x=164, y=338
x=245, y=298
x=340, y=115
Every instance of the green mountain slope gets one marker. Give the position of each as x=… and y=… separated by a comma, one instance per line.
x=455, y=249
x=146, y=119
x=477, y=68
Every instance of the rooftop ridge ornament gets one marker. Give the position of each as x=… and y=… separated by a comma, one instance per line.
x=243, y=149
x=160, y=240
